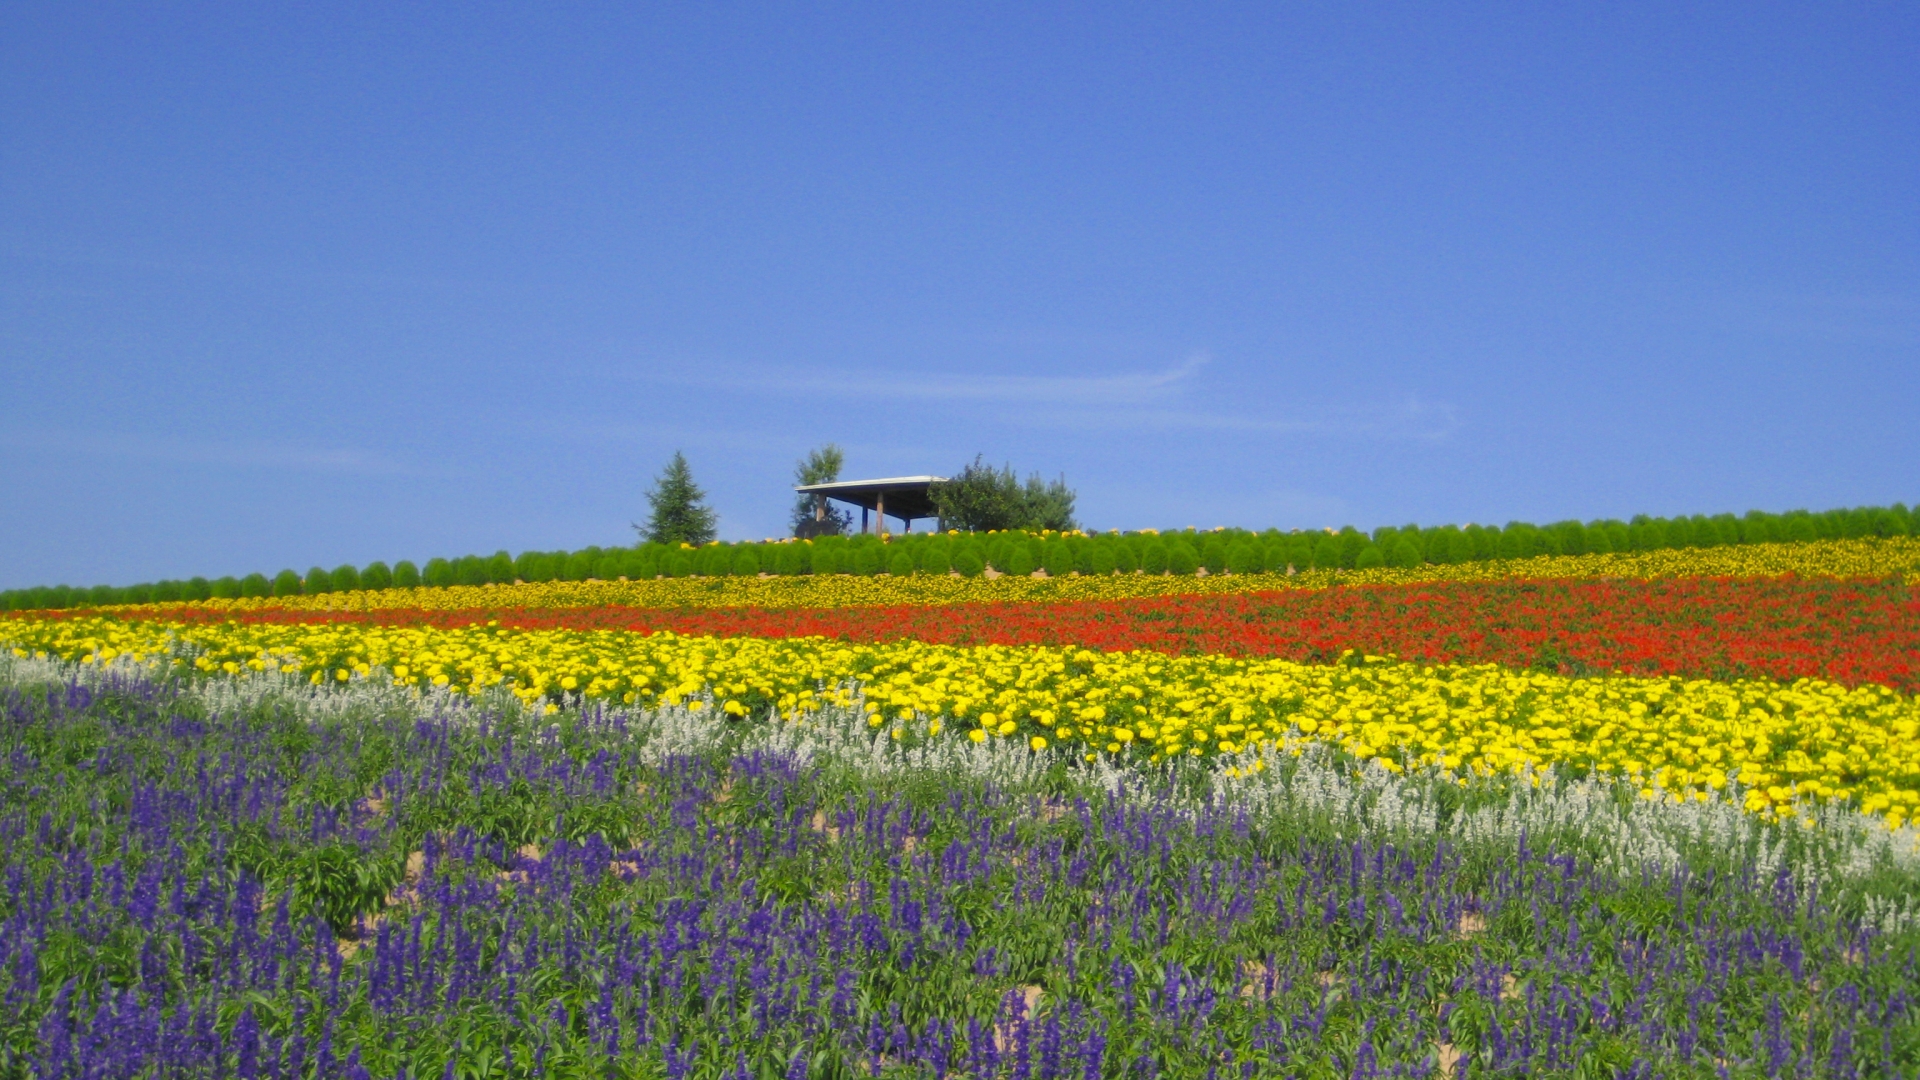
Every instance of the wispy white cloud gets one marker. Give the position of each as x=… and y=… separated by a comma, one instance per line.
x=236, y=454
x=1409, y=418
x=1169, y=399
x=1133, y=388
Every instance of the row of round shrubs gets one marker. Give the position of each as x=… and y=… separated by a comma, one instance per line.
x=1235, y=551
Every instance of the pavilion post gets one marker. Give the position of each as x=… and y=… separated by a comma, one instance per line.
x=880, y=513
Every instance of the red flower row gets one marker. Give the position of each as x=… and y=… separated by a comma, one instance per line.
x=1850, y=632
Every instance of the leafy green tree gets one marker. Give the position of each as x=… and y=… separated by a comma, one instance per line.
x=813, y=515
x=406, y=575
x=286, y=583
x=255, y=584
x=982, y=498
x=1049, y=505
x=376, y=576
x=679, y=513
x=346, y=578
x=318, y=581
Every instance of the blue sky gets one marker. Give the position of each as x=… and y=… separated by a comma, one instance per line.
x=293, y=285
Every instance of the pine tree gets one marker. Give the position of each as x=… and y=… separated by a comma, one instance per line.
x=679, y=515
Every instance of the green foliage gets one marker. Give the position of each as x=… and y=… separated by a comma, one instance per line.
x=679, y=512
x=1056, y=558
x=1102, y=559
x=1125, y=560
x=439, y=573
x=1182, y=559
x=1154, y=558
x=406, y=575
x=317, y=582
x=981, y=498
x=286, y=583
x=746, y=561
x=255, y=584
x=934, y=560
x=814, y=515
x=1020, y=561
x=968, y=562
x=346, y=578
x=1244, y=558
x=1403, y=554
x=227, y=588
x=1213, y=553
x=900, y=564
x=1370, y=557
x=500, y=569
x=868, y=558
x=376, y=576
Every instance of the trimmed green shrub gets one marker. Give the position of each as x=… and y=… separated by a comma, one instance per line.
x=934, y=560
x=137, y=594
x=439, y=574
x=500, y=569
x=823, y=559
x=197, y=588
x=868, y=559
x=469, y=570
x=255, y=584
x=968, y=562
x=577, y=567
x=1103, y=559
x=1056, y=558
x=679, y=564
x=1516, y=542
x=1182, y=559
x=1326, y=552
x=406, y=575
x=644, y=563
x=1369, y=557
x=1021, y=562
x=286, y=583
x=1352, y=541
x=1244, y=558
x=999, y=552
x=1453, y=547
x=1405, y=554
x=1083, y=554
x=166, y=592
x=1213, y=554
x=226, y=588
x=376, y=576
x=317, y=581
x=746, y=562
x=1153, y=558
x=1125, y=559
x=900, y=564
x=346, y=578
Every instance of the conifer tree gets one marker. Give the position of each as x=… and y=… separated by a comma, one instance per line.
x=679, y=516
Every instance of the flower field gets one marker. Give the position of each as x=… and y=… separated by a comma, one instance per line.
x=676, y=828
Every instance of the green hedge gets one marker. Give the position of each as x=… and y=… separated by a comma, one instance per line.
x=1236, y=550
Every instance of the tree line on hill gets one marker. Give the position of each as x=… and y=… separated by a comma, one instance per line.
x=1022, y=551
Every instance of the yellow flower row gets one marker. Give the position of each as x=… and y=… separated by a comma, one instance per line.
x=1804, y=740
x=1873, y=558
